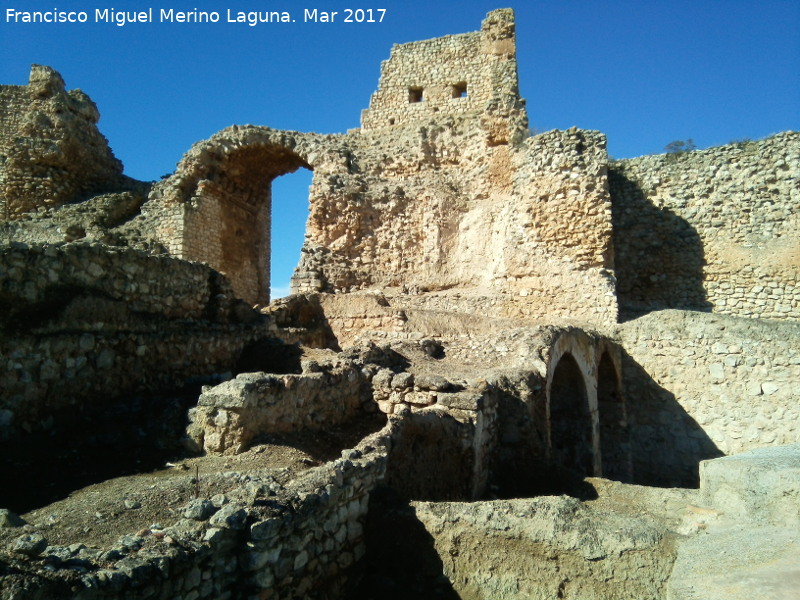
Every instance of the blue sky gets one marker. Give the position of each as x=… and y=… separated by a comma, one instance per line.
x=643, y=72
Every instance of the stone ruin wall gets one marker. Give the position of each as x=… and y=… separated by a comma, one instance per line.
x=471, y=73
x=447, y=194
x=522, y=232
x=51, y=151
x=216, y=207
x=712, y=230
x=294, y=542
x=82, y=322
x=703, y=385
x=448, y=198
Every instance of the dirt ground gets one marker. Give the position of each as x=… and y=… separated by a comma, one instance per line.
x=98, y=515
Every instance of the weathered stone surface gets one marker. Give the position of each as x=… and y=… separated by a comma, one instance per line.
x=692, y=405
x=230, y=415
x=750, y=550
x=31, y=544
x=442, y=234
x=759, y=486
x=710, y=230
x=545, y=548
x=10, y=519
x=51, y=152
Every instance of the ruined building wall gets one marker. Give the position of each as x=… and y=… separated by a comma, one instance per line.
x=471, y=73
x=301, y=541
x=520, y=231
x=702, y=385
x=710, y=230
x=84, y=325
x=51, y=151
x=458, y=202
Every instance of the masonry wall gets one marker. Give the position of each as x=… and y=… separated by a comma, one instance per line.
x=53, y=275
x=522, y=231
x=51, y=151
x=453, y=75
x=710, y=230
x=229, y=416
x=232, y=236
x=701, y=385
x=216, y=207
x=85, y=324
x=300, y=543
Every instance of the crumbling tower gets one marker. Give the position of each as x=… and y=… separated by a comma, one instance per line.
x=471, y=74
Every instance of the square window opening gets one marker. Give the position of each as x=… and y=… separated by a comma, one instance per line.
x=459, y=90
x=415, y=95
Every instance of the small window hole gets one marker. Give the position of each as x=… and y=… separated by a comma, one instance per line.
x=415, y=94
x=459, y=90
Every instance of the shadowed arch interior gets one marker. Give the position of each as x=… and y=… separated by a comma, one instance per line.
x=614, y=447
x=570, y=418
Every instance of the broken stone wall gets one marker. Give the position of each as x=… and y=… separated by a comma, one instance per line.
x=700, y=386
x=51, y=151
x=235, y=236
x=543, y=548
x=520, y=232
x=216, y=207
x=447, y=195
x=712, y=230
x=299, y=542
x=83, y=323
x=229, y=416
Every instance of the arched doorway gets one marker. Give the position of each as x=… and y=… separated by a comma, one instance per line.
x=613, y=422
x=290, y=195
x=570, y=418
x=228, y=220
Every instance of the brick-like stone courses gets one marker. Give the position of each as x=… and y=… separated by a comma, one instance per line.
x=51, y=151
x=713, y=229
x=702, y=385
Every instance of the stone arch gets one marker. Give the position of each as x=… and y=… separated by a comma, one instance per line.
x=220, y=199
x=572, y=436
x=612, y=417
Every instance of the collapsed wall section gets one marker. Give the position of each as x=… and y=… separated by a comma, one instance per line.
x=216, y=207
x=518, y=231
x=713, y=230
x=445, y=193
x=51, y=151
x=254, y=541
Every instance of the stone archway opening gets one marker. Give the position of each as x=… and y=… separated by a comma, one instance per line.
x=614, y=448
x=290, y=198
x=570, y=419
x=229, y=222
